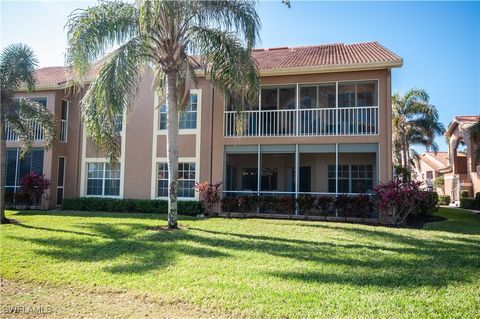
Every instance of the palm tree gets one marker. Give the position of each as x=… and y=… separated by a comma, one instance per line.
x=414, y=122
x=160, y=35
x=17, y=66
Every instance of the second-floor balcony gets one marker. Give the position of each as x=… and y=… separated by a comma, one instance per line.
x=332, y=109
x=302, y=122
x=37, y=131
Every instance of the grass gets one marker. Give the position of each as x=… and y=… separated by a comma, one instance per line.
x=256, y=268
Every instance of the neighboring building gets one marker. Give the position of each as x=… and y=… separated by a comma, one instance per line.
x=322, y=125
x=462, y=172
x=460, y=169
x=428, y=168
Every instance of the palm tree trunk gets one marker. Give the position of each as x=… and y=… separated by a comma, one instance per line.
x=3, y=150
x=172, y=147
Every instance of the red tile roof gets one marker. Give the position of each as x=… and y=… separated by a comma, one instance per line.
x=461, y=119
x=51, y=75
x=467, y=118
x=442, y=157
x=325, y=55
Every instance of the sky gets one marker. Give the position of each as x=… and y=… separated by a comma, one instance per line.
x=438, y=41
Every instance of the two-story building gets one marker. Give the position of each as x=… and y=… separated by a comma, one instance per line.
x=322, y=125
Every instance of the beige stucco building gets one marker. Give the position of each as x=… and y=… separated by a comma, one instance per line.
x=322, y=125
x=461, y=171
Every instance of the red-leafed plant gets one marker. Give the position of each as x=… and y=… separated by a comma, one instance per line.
x=400, y=198
x=210, y=196
x=33, y=186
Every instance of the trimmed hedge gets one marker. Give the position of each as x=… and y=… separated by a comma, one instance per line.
x=467, y=203
x=360, y=206
x=477, y=201
x=154, y=206
x=443, y=199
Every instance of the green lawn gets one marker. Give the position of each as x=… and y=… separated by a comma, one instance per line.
x=256, y=268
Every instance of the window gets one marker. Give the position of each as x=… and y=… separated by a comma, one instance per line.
x=103, y=179
x=358, y=94
x=318, y=96
x=308, y=97
x=118, y=121
x=60, y=179
x=186, y=119
x=64, y=122
x=362, y=178
x=278, y=98
x=429, y=174
x=17, y=168
x=351, y=178
x=186, y=179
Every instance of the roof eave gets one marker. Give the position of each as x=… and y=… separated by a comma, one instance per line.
x=323, y=69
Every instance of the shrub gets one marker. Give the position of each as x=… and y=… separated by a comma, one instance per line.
x=439, y=182
x=343, y=205
x=287, y=204
x=186, y=207
x=401, y=199
x=467, y=203
x=210, y=195
x=324, y=204
x=464, y=194
x=32, y=187
x=306, y=203
x=229, y=204
x=362, y=206
x=428, y=205
x=443, y=199
x=477, y=201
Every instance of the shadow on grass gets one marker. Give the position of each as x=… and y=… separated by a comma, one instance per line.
x=384, y=257
x=92, y=214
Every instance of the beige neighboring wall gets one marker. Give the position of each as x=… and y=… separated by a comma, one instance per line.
x=138, y=142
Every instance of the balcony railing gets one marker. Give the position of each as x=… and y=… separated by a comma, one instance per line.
x=37, y=131
x=302, y=122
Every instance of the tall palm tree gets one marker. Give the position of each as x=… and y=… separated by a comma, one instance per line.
x=414, y=122
x=17, y=66
x=160, y=35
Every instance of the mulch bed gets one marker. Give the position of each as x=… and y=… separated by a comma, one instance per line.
x=166, y=228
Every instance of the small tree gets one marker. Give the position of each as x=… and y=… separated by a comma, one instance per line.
x=439, y=182
x=33, y=186
x=210, y=195
x=400, y=198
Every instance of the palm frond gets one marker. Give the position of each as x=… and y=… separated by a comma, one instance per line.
x=229, y=63
x=93, y=31
x=237, y=16
x=17, y=67
x=111, y=93
x=31, y=113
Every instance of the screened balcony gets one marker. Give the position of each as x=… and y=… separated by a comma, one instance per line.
x=338, y=108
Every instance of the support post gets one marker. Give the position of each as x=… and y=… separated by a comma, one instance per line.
x=297, y=178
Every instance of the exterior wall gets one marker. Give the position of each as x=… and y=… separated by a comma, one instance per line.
x=143, y=145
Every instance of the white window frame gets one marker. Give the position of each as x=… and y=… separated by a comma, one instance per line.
x=65, y=140
x=103, y=180
x=183, y=130
x=183, y=160
x=63, y=181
